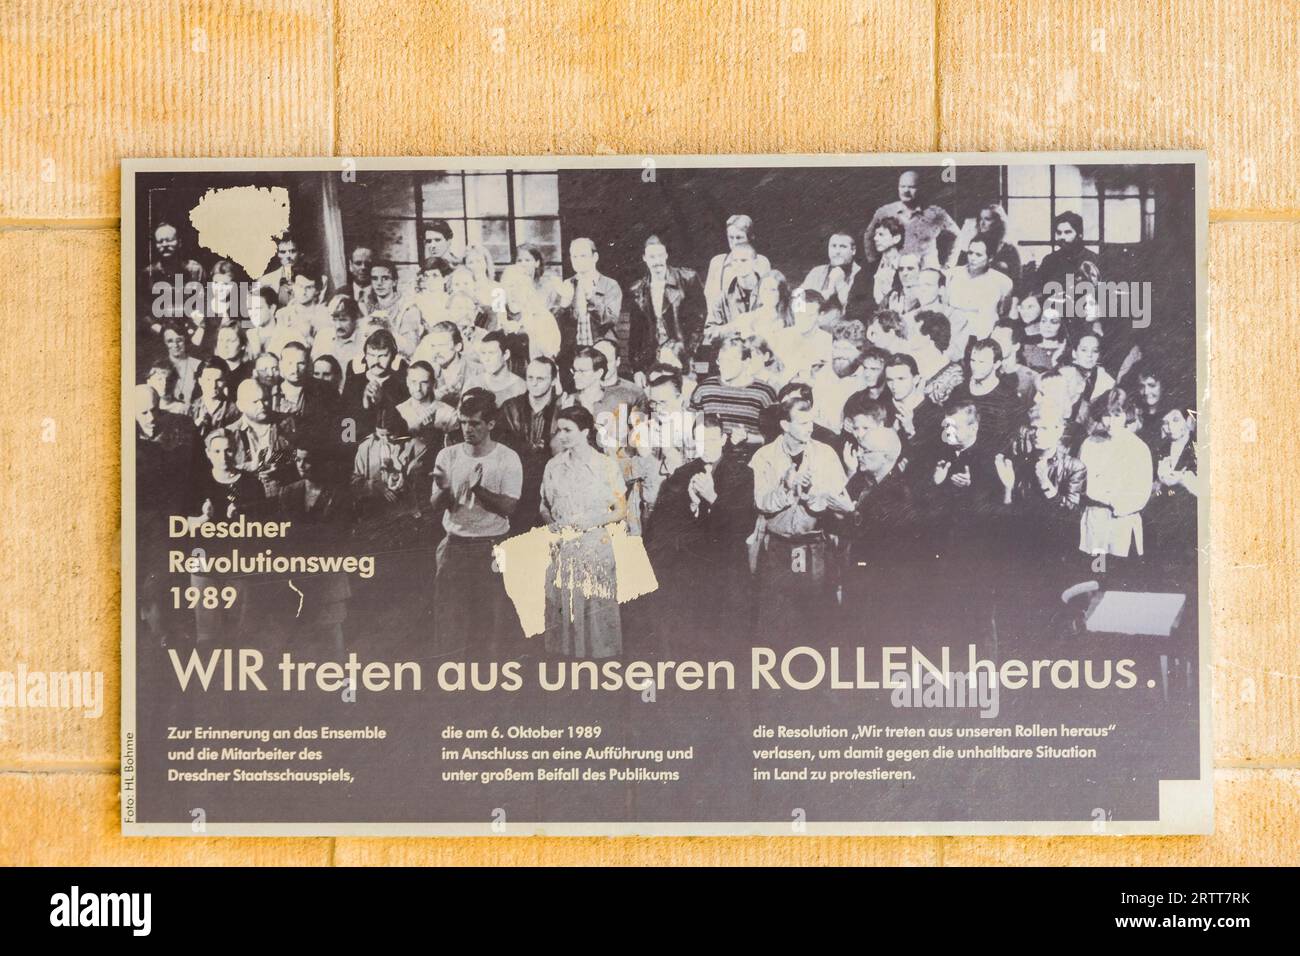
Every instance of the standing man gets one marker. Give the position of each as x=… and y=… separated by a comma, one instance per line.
x=928, y=231
x=881, y=533
x=394, y=311
x=359, y=287
x=733, y=395
x=664, y=307
x=836, y=278
x=280, y=279
x=478, y=482
x=493, y=372
x=798, y=482
x=989, y=391
x=307, y=409
x=158, y=283
x=589, y=302
x=697, y=533
x=427, y=417
x=527, y=422
x=739, y=295
x=258, y=444
x=375, y=380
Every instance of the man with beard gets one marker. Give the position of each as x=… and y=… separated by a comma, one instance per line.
x=158, y=282
x=375, y=380
x=697, y=531
x=259, y=446
x=836, y=280
x=1070, y=263
x=345, y=337
x=663, y=307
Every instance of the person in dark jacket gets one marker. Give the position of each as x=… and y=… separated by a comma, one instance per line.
x=663, y=307
x=696, y=540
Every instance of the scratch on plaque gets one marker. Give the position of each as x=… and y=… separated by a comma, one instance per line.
x=297, y=613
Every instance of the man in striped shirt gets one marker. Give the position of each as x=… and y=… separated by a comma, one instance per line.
x=733, y=395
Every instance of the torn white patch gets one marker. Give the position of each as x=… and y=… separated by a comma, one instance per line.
x=241, y=223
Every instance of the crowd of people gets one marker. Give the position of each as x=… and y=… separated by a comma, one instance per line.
x=921, y=423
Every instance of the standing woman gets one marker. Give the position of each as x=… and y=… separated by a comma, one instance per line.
x=991, y=225
x=187, y=367
x=478, y=260
x=1118, y=483
x=546, y=288
x=740, y=230
x=582, y=495
x=887, y=241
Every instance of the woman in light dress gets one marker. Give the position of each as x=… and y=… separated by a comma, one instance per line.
x=583, y=497
x=1119, y=479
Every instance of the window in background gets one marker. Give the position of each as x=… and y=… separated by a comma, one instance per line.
x=1116, y=203
x=499, y=210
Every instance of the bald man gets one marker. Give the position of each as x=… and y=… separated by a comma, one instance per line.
x=164, y=455
x=589, y=302
x=259, y=446
x=928, y=231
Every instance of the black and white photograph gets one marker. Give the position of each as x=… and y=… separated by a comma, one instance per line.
x=665, y=495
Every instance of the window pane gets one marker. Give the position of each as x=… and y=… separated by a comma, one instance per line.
x=537, y=195
x=1028, y=181
x=395, y=239
x=1069, y=181
x=1087, y=208
x=1029, y=220
x=457, y=237
x=1123, y=220
x=390, y=194
x=486, y=195
x=495, y=235
x=542, y=232
x=440, y=194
